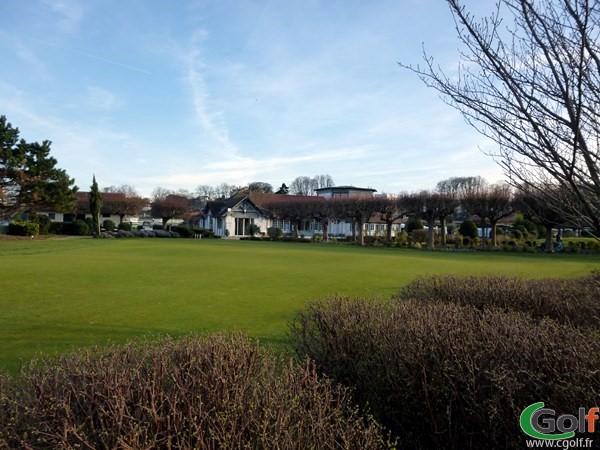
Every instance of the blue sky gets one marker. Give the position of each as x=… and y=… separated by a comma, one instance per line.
x=177, y=94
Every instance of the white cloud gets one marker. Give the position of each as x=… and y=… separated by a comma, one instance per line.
x=212, y=122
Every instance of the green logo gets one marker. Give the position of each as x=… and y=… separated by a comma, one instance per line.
x=539, y=423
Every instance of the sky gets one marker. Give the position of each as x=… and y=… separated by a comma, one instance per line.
x=178, y=94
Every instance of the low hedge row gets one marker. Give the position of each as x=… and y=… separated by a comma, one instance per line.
x=195, y=393
x=568, y=301
x=449, y=376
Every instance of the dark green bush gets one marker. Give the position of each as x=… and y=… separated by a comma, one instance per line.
x=517, y=234
x=184, y=232
x=419, y=236
x=77, y=228
x=125, y=226
x=44, y=223
x=568, y=301
x=252, y=230
x=109, y=225
x=189, y=232
x=468, y=228
x=196, y=393
x=56, y=228
x=23, y=229
x=413, y=224
x=446, y=376
x=274, y=233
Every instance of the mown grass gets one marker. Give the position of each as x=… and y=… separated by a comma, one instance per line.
x=59, y=295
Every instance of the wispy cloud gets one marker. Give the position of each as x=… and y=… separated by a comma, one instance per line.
x=212, y=122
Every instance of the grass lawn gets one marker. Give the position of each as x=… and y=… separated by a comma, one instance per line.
x=56, y=295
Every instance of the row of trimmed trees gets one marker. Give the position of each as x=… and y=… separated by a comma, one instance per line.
x=468, y=196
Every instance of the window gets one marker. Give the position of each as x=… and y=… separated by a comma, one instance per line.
x=51, y=216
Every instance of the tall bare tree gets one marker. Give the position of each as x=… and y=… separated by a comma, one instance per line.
x=303, y=186
x=534, y=88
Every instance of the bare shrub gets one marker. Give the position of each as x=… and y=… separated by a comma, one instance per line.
x=569, y=301
x=201, y=393
x=441, y=375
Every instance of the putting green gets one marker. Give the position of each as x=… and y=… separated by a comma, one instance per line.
x=56, y=295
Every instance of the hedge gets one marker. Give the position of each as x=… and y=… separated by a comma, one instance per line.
x=194, y=393
x=448, y=376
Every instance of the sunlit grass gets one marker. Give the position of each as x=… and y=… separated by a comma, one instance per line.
x=59, y=295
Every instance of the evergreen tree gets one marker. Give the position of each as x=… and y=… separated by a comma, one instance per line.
x=29, y=178
x=95, y=206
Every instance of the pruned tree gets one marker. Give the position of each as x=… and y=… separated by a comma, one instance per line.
x=95, y=206
x=490, y=203
x=538, y=208
x=168, y=205
x=431, y=206
x=323, y=211
x=392, y=208
x=534, y=89
x=29, y=178
x=360, y=209
x=123, y=201
x=293, y=209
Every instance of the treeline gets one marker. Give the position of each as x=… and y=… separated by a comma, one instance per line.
x=459, y=197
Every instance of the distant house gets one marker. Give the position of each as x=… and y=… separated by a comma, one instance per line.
x=233, y=216
x=344, y=192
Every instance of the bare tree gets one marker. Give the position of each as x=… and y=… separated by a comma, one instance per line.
x=303, y=186
x=225, y=190
x=490, y=203
x=431, y=206
x=391, y=208
x=536, y=207
x=533, y=88
x=206, y=192
x=323, y=181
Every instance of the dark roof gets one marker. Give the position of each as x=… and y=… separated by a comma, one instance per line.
x=346, y=188
x=258, y=199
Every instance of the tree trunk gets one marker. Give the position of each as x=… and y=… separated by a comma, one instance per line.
x=361, y=233
x=325, y=225
x=430, y=233
x=443, y=230
x=493, y=232
x=549, y=245
x=389, y=224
